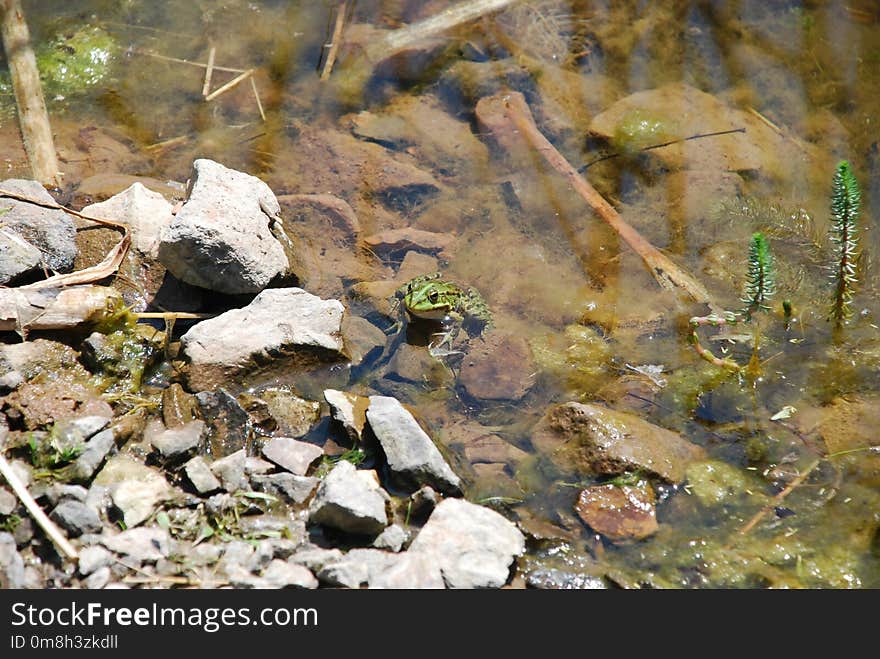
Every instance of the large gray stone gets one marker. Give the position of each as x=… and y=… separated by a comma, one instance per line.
x=348, y=502
x=474, y=546
x=287, y=327
x=412, y=456
x=49, y=230
x=221, y=239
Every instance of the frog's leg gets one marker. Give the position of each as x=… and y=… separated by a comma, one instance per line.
x=451, y=328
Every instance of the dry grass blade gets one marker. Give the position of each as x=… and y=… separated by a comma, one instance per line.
x=34, y=509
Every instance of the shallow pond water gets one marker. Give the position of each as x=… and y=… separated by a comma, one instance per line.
x=399, y=138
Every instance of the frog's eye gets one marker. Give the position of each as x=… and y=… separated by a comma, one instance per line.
x=433, y=296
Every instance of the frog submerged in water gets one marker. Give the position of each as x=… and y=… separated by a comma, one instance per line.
x=430, y=297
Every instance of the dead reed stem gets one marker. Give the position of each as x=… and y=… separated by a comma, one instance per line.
x=336, y=39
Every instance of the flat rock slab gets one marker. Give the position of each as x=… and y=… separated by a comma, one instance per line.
x=284, y=327
x=500, y=367
x=412, y=456
x=474, y=546
x=348, y=502
x=590, y=440
x=620, y=513
x=291, y=454
x=221, y=238
x=51, y=231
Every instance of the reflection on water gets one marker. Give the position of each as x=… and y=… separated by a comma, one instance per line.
x=397, y=138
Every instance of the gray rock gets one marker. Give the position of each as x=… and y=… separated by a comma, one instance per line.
x=8, y=501
x=284, y=574
x=17, y=256
x=356, y=568
x=144, y=544
x=135, y=488
x=201, y=476
x=50, y=231
x=261, y=525
x=239, y=577
x=98, y=579
x=412, y=456
x=93, y=455
x=409, y=570
x=316, y=558
x=257, y=466
x=230, y=471
x=93, y=558
x=294, y=488
x=145, y=212
x=176, y=442
x=280, y=412
x=291, y=454
x=392, y=538
x=474, y=546
x=76, y=518
x=350, y=410
x=60, y=491
x=221, y=239
x=237, y=554
x=288, y=322
x=348, y=502
x=11, y=564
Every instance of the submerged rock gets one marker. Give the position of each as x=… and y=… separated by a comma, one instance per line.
x=589, y=439
x=621, y=513
x=412, y=455
x=348, y=502
x=499, y=368
x=283, y=327
x=226, y=422
x=473, y=546
x=221, y=238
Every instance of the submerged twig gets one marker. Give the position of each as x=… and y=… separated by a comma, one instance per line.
x=775, y=501
x=257, y=99
x=229, y=85
x=177, y=60
x=209, y=71
x=335, y=40
x=34, y=509
x=665, y=272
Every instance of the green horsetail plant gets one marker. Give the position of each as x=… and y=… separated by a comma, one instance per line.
x=845, y=200
x=761, y=278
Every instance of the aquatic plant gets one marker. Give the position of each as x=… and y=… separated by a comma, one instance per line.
x=761, y=278
x=845, y=201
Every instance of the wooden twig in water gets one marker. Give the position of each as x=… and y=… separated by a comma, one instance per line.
x=335, y=40
x=714, y=321
x=176, y=60
x=35, y=511
x=229, y=85
x=775, y=501
x=665, y=272
x=33, y=119
x=257, y=99
x=209, y=71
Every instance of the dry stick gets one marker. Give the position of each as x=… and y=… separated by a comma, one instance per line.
x=775, y=501
x=34, y=509
x=257, y=98
x=33, y=119
x=229, y=85
x=667, y=274
x=335, y=40
x=209, y=71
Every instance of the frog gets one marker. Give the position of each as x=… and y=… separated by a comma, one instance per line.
x=434, y=298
